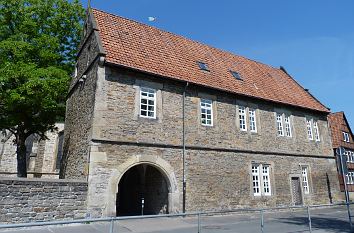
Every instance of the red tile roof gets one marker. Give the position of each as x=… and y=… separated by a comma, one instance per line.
x=149, y=49
x=339, y=124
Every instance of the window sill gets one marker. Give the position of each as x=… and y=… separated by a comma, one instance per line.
x=147, y=118
x=317, y=142
x=262, y=196
x=286, y=137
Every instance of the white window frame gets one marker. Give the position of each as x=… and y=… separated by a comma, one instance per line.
x=283, y=124
x=261, y=183
x=252, y=120
x=242, y=116
x=206, y=105
x=309, y=129
x=316, y=131
x=346, y=137
x=266, y=180
x=305, y=179
x=150, y=96
x=256, y=182
x=350, y=156
x=350, y=178
x=287, y=123
x=280, y=127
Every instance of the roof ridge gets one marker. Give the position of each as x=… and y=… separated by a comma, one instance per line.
x=306, y=90
x=186, y=38
x=332, y=113
x=347, y=123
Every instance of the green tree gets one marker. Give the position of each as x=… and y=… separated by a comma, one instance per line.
x=38, y=45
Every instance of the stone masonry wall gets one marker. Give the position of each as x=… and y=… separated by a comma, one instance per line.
x=218, y=180
x=50, y=153
x=79, y=111
x=120, y=121
x=219, y=157
x=24, y=200
x=80, y=105
x=7, y=153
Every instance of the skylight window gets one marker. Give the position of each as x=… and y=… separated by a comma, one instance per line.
x=236, y=75
x=203, y=66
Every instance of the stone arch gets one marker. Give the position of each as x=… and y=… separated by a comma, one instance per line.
x=153, y=160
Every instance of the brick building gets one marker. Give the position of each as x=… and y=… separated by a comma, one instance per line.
x=342, y=136
x=185, y=126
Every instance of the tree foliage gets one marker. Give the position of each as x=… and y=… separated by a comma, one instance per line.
x=38, y=42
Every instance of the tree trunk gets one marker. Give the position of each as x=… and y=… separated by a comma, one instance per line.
x=21, y=157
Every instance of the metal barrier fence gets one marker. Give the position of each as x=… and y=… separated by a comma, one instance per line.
x=260, y=211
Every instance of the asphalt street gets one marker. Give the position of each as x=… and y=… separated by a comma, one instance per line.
x=323, y=220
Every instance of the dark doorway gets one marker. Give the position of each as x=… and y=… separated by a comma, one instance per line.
x=142, y=182
x=296, y=188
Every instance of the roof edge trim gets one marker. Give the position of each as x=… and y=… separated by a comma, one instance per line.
x=306, y=90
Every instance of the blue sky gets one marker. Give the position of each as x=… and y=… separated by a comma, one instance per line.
x=313, y=40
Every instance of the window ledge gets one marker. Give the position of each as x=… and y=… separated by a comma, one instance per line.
x=147, y=118
x=262, y=196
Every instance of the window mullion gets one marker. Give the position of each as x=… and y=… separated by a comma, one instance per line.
x=261, y=185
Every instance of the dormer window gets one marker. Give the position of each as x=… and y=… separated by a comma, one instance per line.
x=203, y=66
x=346, y=137
x=236, y=75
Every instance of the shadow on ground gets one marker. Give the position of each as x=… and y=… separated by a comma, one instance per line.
x=328, y=224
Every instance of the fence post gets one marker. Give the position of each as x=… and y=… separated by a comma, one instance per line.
x=199, y=226
x=262, y=221
x=349, y=214
x=309, y=217
x=111, y=226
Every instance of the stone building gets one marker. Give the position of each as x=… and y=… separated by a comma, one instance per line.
x=342, y=136
x=43, y=156
x=155, y=117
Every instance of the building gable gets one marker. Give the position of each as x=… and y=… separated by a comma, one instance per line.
x=339, y=124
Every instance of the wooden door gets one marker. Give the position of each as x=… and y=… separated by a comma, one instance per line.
x=296, y=190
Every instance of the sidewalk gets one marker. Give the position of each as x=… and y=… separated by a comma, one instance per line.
x=324, y=220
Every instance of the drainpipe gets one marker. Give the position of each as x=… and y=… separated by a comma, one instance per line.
x=184, y=149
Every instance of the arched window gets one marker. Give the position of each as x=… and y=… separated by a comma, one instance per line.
x=59, y=149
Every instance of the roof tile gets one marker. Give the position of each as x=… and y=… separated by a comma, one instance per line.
x=338, y=125
x=142, y=47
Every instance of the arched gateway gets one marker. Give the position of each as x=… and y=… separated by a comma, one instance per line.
x=143, y=189
x=143, y=177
